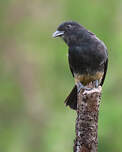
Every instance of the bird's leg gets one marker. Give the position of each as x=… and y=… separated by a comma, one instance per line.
x=96, y=83
x=81, y=86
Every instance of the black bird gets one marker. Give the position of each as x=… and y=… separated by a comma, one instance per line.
x=87, y=55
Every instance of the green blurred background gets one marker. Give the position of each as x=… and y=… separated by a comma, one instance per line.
x=35, y=77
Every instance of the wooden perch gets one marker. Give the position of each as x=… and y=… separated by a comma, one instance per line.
x=87, y=120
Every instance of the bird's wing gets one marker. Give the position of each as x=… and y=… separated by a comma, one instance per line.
x=71, y=70
x=105, y=70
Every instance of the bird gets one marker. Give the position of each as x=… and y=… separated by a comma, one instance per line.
x=87, y=57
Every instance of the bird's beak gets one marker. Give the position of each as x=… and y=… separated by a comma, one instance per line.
x=57, y=33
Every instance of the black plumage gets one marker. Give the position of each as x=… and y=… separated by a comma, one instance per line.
x=87, y=55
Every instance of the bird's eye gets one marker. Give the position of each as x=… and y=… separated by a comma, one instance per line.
x=69, y=26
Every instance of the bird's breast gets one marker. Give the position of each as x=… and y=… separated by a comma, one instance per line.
x=84, y=60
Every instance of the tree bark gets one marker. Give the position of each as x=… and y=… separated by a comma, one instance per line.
x=87, y=120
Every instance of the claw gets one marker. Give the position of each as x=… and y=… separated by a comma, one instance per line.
x=81, y=86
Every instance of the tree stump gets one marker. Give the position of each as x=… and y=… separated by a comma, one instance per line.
x=87, y=120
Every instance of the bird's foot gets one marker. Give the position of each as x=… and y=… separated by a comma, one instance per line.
x=81, y=86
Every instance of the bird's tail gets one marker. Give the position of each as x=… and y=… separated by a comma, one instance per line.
x=71, y=100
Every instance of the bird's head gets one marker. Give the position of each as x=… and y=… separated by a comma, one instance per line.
x=71, y=32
